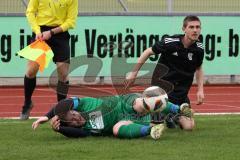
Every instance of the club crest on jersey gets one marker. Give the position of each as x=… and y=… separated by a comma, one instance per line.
x=175, y=53
x=190, y=55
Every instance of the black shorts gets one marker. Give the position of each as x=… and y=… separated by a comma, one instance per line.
x=176, y=94
x=178, y=101
x=59, y=44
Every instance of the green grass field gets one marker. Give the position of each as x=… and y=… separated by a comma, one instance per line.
x=215, y=138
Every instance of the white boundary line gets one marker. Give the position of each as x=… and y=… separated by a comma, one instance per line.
x=197, y=114
x=221, y=113
x=17, y=118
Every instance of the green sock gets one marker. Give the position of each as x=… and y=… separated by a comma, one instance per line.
x=133, y=130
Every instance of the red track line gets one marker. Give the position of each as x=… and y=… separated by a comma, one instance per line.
x=219, y=99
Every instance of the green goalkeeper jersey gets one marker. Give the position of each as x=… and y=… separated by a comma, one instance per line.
x=102, y=114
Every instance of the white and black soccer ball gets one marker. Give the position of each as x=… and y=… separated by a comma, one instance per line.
x=155, y=99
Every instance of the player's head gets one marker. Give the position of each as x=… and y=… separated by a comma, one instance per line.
x=154, y=99
x=64, y=110
x=72, y=118
x=192, y=27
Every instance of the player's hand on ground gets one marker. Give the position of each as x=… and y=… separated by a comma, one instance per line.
x=35, y=125
x=39, y=121
x=200, y=97
x=55, y=123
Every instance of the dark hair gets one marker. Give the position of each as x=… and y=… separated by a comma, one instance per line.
x=63, y=107
x=65, y=116
x=189, y=19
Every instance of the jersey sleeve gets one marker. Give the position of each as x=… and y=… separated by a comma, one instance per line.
x=72, y=132
x=31, y=15
x=159, y=47
x=61, y=107
x=71, y=18
x=50, y=114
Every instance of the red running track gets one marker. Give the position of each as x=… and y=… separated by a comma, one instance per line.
x=218, y=99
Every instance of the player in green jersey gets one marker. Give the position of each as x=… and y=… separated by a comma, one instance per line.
x=124, y=116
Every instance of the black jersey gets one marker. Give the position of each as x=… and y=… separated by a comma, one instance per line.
x=182, y=63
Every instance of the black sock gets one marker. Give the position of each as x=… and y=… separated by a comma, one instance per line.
x=62, y=90
x=29, y=86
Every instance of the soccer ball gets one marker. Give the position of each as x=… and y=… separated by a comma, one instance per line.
x=155, y=99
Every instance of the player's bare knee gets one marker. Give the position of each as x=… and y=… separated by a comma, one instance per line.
x=187, y=123
x=31, y=74
x=32, y=69
x=118, y=125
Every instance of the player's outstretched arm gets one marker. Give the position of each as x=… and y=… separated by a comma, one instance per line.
x=39, y=121
x=44, y=118
x=62, y=106
x=141, y=60
x=199, y=80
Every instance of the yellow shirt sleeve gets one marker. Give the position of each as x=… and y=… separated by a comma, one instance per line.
x=31, y=15
x=71, y=18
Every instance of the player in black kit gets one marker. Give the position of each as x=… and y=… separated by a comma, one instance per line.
x=183, y=56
